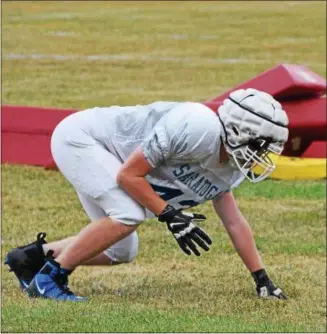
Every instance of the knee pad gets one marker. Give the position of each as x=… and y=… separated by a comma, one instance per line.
x=124, y=250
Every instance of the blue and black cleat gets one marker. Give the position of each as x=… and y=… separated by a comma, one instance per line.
x=51, y=282
x=26, y=261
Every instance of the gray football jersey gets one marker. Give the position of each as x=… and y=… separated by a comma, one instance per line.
x=181, y=141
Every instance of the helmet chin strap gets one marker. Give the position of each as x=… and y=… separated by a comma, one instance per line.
x=224, y=156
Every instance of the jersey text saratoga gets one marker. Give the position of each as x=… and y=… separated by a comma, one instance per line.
x=197, y=183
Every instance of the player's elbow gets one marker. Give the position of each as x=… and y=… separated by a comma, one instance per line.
x=122, y=177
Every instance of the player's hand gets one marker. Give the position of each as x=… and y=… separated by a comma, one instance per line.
x=265, y=287
x=186, y=233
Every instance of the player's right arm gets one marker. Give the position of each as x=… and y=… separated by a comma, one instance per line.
x=173, y=136
x=131, y=177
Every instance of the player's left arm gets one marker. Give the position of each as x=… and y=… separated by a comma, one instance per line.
x=241, y=235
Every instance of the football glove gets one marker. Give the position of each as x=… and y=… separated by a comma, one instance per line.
x=265, y=287
x=186, y=233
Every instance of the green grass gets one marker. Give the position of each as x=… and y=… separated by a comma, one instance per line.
x=180, y=42
x=163, y=290
x=265, y=33
x=123, y=316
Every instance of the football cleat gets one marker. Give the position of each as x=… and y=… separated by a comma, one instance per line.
x=26, y=261
x=51, y=282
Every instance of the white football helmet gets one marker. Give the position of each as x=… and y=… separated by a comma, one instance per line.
x=254, y=124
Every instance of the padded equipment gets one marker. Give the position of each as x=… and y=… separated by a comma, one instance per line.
x=293, y=168
x=285, y=82
x=26, y=134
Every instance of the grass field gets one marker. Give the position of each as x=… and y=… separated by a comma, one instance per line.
x=69, y=54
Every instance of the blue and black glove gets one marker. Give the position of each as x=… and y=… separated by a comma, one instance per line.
x=186, y=233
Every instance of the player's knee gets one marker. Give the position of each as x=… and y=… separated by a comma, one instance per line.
x=129, y=255
x=133, y=247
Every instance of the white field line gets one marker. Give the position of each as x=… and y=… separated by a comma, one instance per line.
x=126, y=14
x=57, y=16
x=122, y=57
x=297, y=40
x=181, y=36
x=62, y=33
x=146, y=58
x=187, y=37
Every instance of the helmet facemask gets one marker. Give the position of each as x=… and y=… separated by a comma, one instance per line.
x=253, y=159
x=249, y=137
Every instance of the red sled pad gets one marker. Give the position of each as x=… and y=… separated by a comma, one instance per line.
x=26, y=133
x=317, y=149
x=31, y=119
x=213, y=105
x=284, y=82
x=25, y=148
x=307, y=117
x=307, y=124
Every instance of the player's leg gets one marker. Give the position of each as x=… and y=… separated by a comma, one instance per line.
x=108, y=231
x=27, y=260
x=58, y=246
x=51, y=280
x=92, y=240
x=122, y=251
x=92, y=170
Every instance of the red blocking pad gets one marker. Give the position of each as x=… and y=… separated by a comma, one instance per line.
x=31, y=119
x=284, y=82
x=307, y=124
x=26, y=134
x=317, y=149
x=213, y=105
x=25, y=148
x=307, y=116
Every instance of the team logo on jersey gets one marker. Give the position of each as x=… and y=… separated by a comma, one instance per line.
x=196, y=182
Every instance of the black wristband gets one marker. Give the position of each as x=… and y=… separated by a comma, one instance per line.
x=168, y=214
x=260, y=276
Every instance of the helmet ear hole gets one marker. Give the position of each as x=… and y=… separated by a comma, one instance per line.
x=235, y=130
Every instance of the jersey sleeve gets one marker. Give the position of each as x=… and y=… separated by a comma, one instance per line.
x=188, y=132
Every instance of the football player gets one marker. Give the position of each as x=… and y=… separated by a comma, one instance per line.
x=130, y=163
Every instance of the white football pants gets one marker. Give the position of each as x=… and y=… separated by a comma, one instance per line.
x=92, y=171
